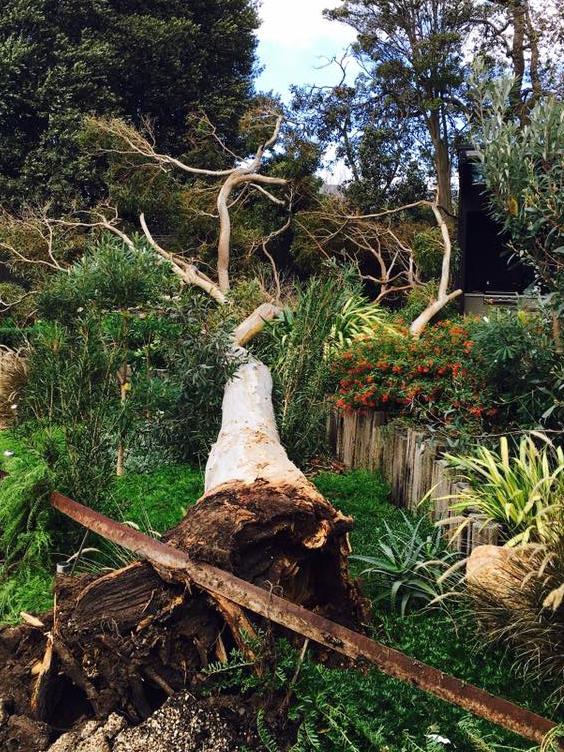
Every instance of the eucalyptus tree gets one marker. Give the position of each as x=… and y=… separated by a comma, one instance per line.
x=525, y=40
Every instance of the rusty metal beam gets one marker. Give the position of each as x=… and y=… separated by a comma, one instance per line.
x=323, y=631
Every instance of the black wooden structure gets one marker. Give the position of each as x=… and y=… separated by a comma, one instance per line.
x=489, y=273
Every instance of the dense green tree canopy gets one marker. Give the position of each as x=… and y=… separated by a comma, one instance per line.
x=380, y=147
x=62, y=59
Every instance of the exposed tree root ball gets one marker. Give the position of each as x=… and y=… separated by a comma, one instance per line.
x=127, y=641
x=276, y=536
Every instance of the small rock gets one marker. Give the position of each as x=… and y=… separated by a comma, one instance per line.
x=95, y=736
x=499, y=570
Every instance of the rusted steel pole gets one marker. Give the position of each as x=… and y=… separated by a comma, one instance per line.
x=323, y=631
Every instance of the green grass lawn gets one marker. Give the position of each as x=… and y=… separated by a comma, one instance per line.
x=376, y=706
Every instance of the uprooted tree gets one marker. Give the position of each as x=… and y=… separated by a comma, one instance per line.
x=141, y=630
x=130, y=638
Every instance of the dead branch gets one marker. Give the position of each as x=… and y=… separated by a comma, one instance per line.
x=444, y=296
x=254, y=323
x=370, y=235
x=33, y=229
x=187, y=272
x=46, y=237
x=137, y=144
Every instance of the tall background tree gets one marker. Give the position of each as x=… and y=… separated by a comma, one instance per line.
x=411, y=53
x=525, y=40
x=354, y=124
x=63, y=59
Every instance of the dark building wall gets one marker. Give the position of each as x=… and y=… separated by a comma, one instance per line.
x=487, y=266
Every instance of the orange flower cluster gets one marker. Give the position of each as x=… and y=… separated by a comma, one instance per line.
x=433, y=378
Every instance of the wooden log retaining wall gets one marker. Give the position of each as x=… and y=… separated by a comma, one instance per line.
x=410, y=460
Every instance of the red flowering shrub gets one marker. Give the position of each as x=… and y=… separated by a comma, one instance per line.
x=433, y=378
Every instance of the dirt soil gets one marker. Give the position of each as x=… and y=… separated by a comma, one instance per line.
x=182, y=724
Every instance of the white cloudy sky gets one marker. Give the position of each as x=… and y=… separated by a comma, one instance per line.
x=294, y=42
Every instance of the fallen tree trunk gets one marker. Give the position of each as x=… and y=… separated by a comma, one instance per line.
x=127, y=640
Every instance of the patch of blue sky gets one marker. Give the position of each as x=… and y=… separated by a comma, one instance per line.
x=296, y=42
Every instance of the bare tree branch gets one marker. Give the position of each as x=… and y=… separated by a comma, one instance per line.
x=242, y=175
x=443, y=297
x=188, y=273
x=395, y=261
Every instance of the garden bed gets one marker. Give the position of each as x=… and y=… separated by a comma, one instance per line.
x=367, y=707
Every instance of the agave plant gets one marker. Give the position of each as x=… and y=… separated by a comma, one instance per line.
x=524, y=492
x=409, y=563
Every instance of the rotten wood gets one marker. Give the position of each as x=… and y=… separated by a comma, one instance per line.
x=44, y=671
x=311, y=625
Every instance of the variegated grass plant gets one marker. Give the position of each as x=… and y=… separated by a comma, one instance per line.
x=523, y=490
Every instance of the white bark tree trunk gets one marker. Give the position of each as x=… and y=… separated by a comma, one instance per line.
x=443, y=296
x=248, y=446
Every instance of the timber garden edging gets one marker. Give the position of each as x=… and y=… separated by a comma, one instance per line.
x=410, y=460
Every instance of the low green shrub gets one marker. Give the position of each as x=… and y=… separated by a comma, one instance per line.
x=69, y=405
x=110, y=275
x=26, y=533
x=29, y=588
x=197, y=367
x=121, y=309
x=516, y=353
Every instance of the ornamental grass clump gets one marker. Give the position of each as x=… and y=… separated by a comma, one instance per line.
x=529, y=619
x=523, y=491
